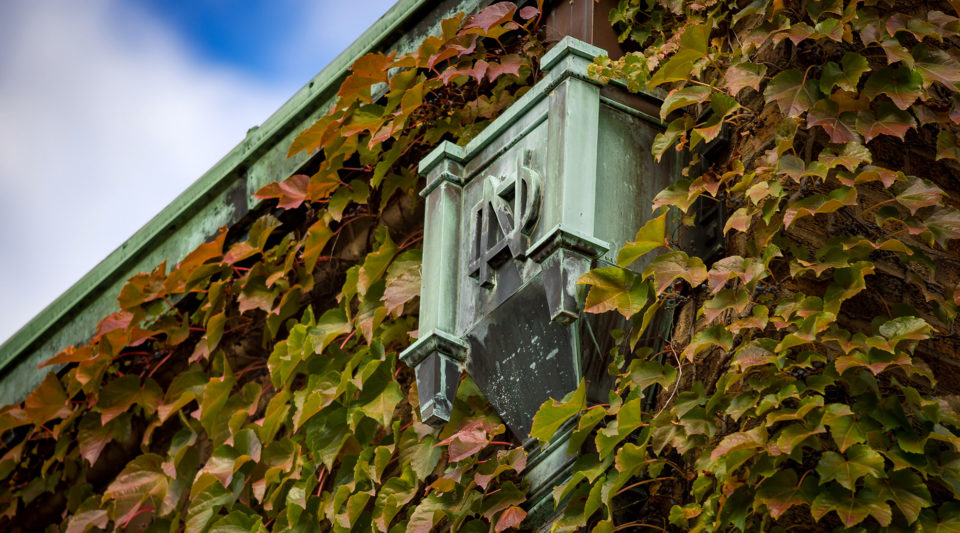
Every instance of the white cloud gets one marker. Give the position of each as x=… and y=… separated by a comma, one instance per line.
x=105, y=116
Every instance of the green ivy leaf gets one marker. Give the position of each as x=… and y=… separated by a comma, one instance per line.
x=675, y=130
x=552, y=414
x=679, y=67
x=852, y=508
x=742, y=440
x=332, y=324
x=860, y=460
x=651, y=236
x=140, y=480
x=843, y=425
x=905, y=489
x=918, y=194
x=614, y=289
x=678, y=98
x=846, y=76
x=820, y=203
x=792, y=94
x=642, y=374
x=902, y=85
x=744, y=74
x=713, y=336
x=947, y=146
x=238, y=522
x=375, y=264
x=738, y=300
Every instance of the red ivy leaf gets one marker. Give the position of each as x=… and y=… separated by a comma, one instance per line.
x=839, y=126
x=478, y=71
x=491, y=16
x=289, y=193
x=509, y=64
x=527, y=13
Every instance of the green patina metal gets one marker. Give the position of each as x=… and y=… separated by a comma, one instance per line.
x=221, y=197
x=551, y=188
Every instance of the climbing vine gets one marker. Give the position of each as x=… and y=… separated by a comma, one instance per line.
x=255, y=385
x=809, y=379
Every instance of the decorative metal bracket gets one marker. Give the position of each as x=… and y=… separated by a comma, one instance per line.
x=437, y=358
x=564, y=256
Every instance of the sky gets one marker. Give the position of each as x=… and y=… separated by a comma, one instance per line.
x=110, y=108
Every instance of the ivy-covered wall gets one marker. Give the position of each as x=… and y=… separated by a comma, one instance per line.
x=808, y=380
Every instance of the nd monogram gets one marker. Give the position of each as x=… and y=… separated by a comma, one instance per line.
x=503, y=219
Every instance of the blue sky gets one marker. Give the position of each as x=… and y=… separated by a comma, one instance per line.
x=110, y=108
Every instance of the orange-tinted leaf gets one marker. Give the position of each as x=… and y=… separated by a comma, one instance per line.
x=741, y=440
x=317, y=237
x=143, y=287
x=366, y=71
x=47, y=402
x=119, y=395
x=70, y=354
x=512, y=517
x=673, y=265
x=317, y=135
x=477, y=71
x=289, y=193
x=324, y=183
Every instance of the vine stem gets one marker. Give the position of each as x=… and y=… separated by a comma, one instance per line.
x=637, y=523
x=158, y=365
x=644, y=482
x=345, y=341
x=876, y=205
x=139, y=512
